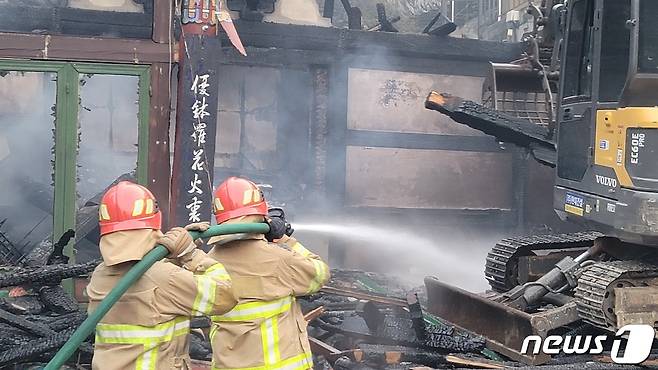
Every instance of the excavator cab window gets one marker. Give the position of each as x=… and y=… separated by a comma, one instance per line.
x=615, y=49
x=574, y=129
x=578, y=63
x=648, y=34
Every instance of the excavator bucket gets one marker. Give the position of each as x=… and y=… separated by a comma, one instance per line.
x=519, y=91
x=504, y=327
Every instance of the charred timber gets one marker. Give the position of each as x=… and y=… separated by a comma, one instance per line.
x=504, y=127
x=329, y=40
x=45, y=275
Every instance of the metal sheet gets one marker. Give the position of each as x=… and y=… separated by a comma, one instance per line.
x=636, y=305
x=430, y=179
x=394, y=101
x=504, y=327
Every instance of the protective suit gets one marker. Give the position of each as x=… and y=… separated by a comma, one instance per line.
x=266, y=329
x=148, y=327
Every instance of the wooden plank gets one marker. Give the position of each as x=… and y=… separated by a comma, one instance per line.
x=479, y=364
x=314, y=314
x=321, y=348
x=158, y=156
x=435, y=179
x=13, y=45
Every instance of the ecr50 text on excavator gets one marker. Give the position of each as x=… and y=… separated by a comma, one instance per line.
x=584, y=100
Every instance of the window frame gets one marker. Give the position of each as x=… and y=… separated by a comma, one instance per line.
x=66, y=129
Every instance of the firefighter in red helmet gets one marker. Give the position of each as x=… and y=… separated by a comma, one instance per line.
x=266, y=329
x=147, y=328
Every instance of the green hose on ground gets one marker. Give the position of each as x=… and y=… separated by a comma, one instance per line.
x=158, y=253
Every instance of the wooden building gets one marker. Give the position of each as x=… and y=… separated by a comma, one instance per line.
x=332, y=118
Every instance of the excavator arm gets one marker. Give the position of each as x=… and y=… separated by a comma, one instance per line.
x=504, y=127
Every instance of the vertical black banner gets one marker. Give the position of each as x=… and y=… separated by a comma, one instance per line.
x=196, y=128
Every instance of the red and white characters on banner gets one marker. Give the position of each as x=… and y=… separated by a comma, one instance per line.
x=199, y=113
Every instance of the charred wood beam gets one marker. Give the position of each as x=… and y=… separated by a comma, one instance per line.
x=332, y=40
x=347, y=6
x=432, y=22
x=385, y=24
x=504, y=127
x=446, y=28
x=277, y=57
x=13, y=45
x=354, y=19
x=328, y=11
x=378, y=26
x=353, y=15
x=18, y=17
x=417, y=317
x=388, y=355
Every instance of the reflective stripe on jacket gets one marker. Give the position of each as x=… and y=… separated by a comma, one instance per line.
x=266, y=329
x=149, y=337
x=147, y=328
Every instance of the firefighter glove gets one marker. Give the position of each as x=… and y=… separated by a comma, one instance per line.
x=198, y=226
x=178, y=241
x=278, y=228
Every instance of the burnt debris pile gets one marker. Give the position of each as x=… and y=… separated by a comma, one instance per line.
x=364, y=320
x=37, y=316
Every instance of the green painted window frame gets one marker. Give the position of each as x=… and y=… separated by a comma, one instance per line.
x=66, y=128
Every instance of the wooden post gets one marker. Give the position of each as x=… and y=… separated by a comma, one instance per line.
x=162, y=20
x=196, y=114
x=158, y=157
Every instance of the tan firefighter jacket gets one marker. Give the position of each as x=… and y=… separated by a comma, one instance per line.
x=147, y=328
x=266, y=330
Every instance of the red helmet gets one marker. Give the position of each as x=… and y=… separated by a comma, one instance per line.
x=128, y=206
x=237, y=197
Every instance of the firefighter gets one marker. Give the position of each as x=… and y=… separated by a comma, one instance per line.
x=149, y=325
x=266, y=329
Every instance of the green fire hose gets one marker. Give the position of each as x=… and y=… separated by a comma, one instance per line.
x=158, y=253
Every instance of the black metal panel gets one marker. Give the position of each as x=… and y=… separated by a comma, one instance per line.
x=422, y=141
x=78, y=22
x=574, y=147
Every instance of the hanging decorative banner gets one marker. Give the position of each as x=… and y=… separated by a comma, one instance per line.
x=200, y=11
x=208, y=12
x=196, y=128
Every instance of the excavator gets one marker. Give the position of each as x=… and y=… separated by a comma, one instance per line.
x=583, y=99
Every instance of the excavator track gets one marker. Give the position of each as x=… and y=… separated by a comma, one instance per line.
x=595, y=291
x=501, y=263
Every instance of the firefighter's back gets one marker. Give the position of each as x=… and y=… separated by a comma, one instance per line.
x=266, y=327
x=137, y=333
